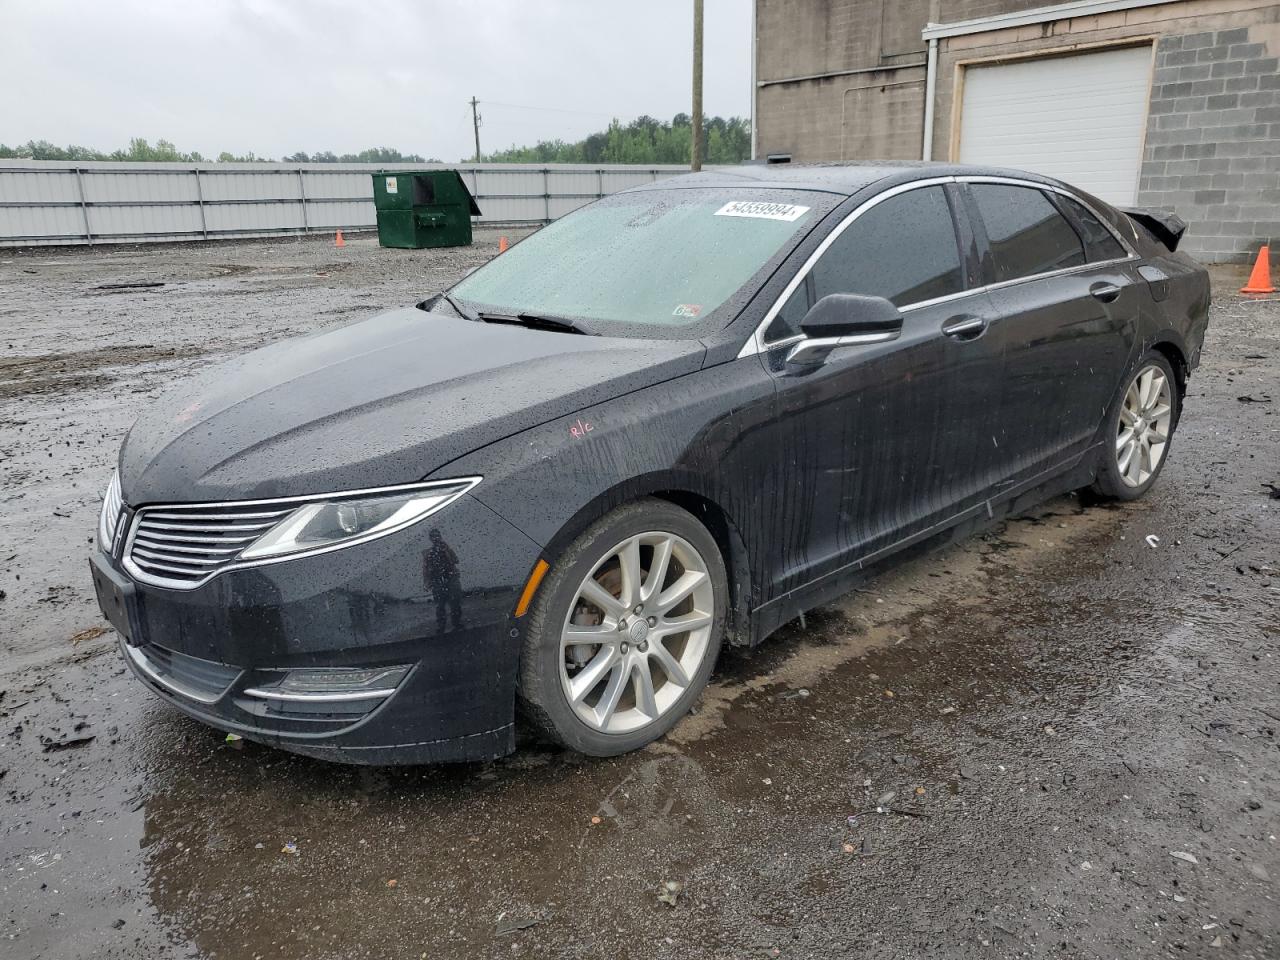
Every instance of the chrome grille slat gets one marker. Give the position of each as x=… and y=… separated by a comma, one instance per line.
x=190, y=573
x=153, y=534
x=209, y=527
x=166, y=558
x=154, y=545
x=207, y=517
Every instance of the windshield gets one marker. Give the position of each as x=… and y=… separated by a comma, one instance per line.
x=663, y=258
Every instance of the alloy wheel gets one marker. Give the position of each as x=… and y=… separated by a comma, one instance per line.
x=1145, y=420
x=637, y=632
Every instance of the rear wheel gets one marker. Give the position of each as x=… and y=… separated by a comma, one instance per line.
x=625, y=631
x=1139, y=430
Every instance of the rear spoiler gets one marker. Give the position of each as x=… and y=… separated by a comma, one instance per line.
x=1168, y=228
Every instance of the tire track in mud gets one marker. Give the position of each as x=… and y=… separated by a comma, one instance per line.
x=899, y=603
x=62, y=373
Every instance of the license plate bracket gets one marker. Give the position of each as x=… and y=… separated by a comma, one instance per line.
x=118, y=600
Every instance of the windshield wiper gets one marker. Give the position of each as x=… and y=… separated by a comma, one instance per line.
x=535, y=322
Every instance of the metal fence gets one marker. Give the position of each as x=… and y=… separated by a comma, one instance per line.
x=55, y=202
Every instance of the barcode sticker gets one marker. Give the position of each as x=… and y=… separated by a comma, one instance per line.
x=762, y=211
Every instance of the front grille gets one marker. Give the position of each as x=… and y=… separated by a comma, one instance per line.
x=184, y=546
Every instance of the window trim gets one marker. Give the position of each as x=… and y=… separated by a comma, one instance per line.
x=756, y=343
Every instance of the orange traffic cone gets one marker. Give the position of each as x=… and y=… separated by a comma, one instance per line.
x=502, y=244
x=1260, y=279
x=338, y=241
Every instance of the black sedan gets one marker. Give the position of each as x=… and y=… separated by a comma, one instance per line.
x=674, y=419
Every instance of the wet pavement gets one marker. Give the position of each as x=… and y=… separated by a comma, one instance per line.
x=1055, y=740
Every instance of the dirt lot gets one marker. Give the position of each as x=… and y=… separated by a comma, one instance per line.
x=1071, y=729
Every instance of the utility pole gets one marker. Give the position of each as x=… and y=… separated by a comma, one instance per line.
x=475, y=123
x=755, y=91
x=695, y=161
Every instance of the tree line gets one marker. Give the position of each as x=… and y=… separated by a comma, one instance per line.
x=141, y=151
x=644, y=140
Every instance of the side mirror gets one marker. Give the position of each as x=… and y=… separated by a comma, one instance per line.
x=844, y=318
x=851, y=314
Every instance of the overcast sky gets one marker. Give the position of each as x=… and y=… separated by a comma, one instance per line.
x=278, y=76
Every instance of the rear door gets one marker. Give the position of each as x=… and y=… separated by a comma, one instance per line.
x=881, y=440
x=1065, y=299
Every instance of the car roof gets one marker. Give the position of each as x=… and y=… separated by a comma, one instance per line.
x=840, y=178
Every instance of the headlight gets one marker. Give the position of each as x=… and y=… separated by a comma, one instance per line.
x=112, y=503
x=342, y=521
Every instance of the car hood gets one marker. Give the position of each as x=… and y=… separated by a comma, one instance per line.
x=381, y=402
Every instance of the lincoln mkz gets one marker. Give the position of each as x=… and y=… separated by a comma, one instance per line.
x=670, y=421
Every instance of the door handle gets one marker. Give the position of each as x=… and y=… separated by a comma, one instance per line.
x=1106, y=292
x=965, y=327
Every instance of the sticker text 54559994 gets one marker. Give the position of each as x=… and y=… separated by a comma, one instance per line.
x=761, y=210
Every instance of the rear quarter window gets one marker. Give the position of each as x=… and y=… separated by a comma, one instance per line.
x=1099, y=243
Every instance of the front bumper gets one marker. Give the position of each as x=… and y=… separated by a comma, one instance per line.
x=369, y=605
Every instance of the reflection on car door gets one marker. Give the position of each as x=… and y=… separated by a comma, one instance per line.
x=1066, y=304
x=881, y=440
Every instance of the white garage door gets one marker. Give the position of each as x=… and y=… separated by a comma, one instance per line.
x=1079, y=118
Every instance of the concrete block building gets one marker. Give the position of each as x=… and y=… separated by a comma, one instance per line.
x=1171, y=105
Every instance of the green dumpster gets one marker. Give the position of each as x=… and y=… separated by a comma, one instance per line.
x=423, y=208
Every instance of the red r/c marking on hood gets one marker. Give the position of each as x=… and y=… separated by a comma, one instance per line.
x=186, y=413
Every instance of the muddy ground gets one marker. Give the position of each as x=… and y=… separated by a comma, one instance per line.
x=1055, y=740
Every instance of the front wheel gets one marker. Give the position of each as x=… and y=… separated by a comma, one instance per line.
x=1140, y=427
x=625, y=631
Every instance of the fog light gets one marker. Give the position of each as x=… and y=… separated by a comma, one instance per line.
x=333, y=684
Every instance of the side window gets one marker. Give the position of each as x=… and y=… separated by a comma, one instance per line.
x=903, y=249
x=1027, y=233
x=1099, y=243
x=787, y=322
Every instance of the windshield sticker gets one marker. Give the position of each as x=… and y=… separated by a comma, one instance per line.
x=689, y=310
x=762, y=211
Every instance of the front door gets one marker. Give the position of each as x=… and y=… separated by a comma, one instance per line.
x=880, y=441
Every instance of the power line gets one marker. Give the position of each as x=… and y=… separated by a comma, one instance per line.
x=525, y=106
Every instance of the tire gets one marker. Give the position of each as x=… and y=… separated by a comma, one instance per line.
x=591, y=696
x=1130, y=460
